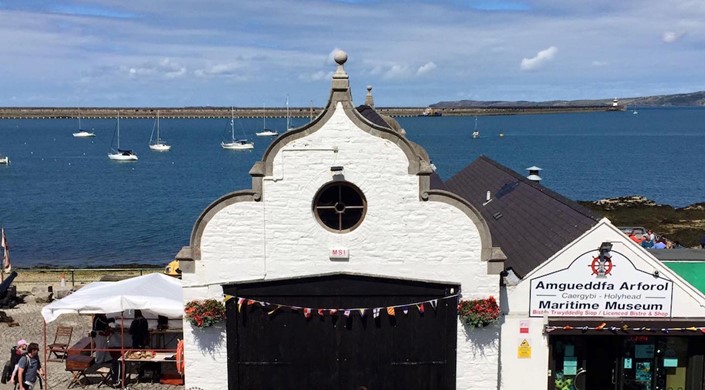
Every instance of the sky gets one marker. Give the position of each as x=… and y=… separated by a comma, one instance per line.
x=254, y=53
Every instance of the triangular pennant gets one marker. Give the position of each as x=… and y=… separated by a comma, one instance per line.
x=434, y=304
x=274, y=310
x=250, y=302
x=346, y=313
x=333, y=312
x=228, y=297
x=362, y=312
x=321, y=312
x=307, y=312
x=420, y=306
x=390, y=311
x=239, y=303
x=375, y=312
x=405, y=309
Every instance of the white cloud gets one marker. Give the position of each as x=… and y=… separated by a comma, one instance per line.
x=426, y=68
x=671, y=36
x=539, y=59
x=165, y=68
x=599, y=63
x=229, y=69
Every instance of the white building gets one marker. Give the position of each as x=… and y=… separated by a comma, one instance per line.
x=343, y=266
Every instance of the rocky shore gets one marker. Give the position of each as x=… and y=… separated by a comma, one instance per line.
x=686, y=225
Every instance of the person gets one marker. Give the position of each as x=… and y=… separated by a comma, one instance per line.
x=702, y=242
x=636, y=238
x=660, y=244
x=647, y=243
x=651, y=236
x=139, y=330
x=101, y=331
x=30, y=368
x=16, y=354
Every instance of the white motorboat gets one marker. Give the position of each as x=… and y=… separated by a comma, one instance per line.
x=157, y=144
x=236, y=144
x=117, y=154
x=4, y=160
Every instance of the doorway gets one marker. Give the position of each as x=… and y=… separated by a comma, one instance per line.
x=626, y=362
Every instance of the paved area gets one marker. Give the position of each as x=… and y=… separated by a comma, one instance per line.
x=31, y=328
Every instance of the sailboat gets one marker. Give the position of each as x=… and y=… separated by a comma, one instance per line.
x=265, y=131
x=118, y=154
x=157, y=144
x=634, y=111
x=476, y=133
x=288, y=116
x=236, y=144
x=82, y=133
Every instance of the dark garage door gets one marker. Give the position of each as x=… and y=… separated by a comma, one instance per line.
x=282, y=349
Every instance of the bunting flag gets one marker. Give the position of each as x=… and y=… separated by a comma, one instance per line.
x=625, y=328
x=272, y=308
x=6, y=266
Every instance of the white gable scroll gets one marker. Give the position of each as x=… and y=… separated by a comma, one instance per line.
x=613, y=288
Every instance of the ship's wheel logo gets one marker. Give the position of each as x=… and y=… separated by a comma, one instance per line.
x=601, y=268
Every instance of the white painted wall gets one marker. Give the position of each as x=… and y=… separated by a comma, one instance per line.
x=401, y=237
x=688, y=302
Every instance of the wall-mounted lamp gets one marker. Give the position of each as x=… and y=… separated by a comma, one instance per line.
x=604, y=258
x=656, y=273
x=337, y=171
x=336, y=168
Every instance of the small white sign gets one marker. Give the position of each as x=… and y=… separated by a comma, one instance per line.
x=339, y=254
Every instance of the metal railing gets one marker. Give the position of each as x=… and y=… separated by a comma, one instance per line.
x=70, y=277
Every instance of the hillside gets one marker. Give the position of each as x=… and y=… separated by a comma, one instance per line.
x=693, y=99
x=686, y=225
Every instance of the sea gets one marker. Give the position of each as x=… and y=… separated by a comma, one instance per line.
x=63, y=203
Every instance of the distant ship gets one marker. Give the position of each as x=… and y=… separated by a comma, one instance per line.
x=428, y=111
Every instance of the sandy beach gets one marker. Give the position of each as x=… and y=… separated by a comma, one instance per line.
x=28, y=324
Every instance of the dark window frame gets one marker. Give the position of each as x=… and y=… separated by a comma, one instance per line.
x=339, y=206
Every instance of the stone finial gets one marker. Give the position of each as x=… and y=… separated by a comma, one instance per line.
x=369, y=100
x=340, y=58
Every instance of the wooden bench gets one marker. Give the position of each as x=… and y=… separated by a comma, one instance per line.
x=77, y=366
x=78, y=360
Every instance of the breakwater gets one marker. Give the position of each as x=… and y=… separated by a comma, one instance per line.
x=280, y=112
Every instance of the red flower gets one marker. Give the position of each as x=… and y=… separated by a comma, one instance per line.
x=204, y=313
x=478, y=312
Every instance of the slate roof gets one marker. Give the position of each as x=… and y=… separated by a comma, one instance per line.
x=527, y=220
x=371, y=115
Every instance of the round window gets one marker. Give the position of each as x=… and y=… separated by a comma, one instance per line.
x=340, y=206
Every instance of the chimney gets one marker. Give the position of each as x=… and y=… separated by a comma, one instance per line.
x=534, y=173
